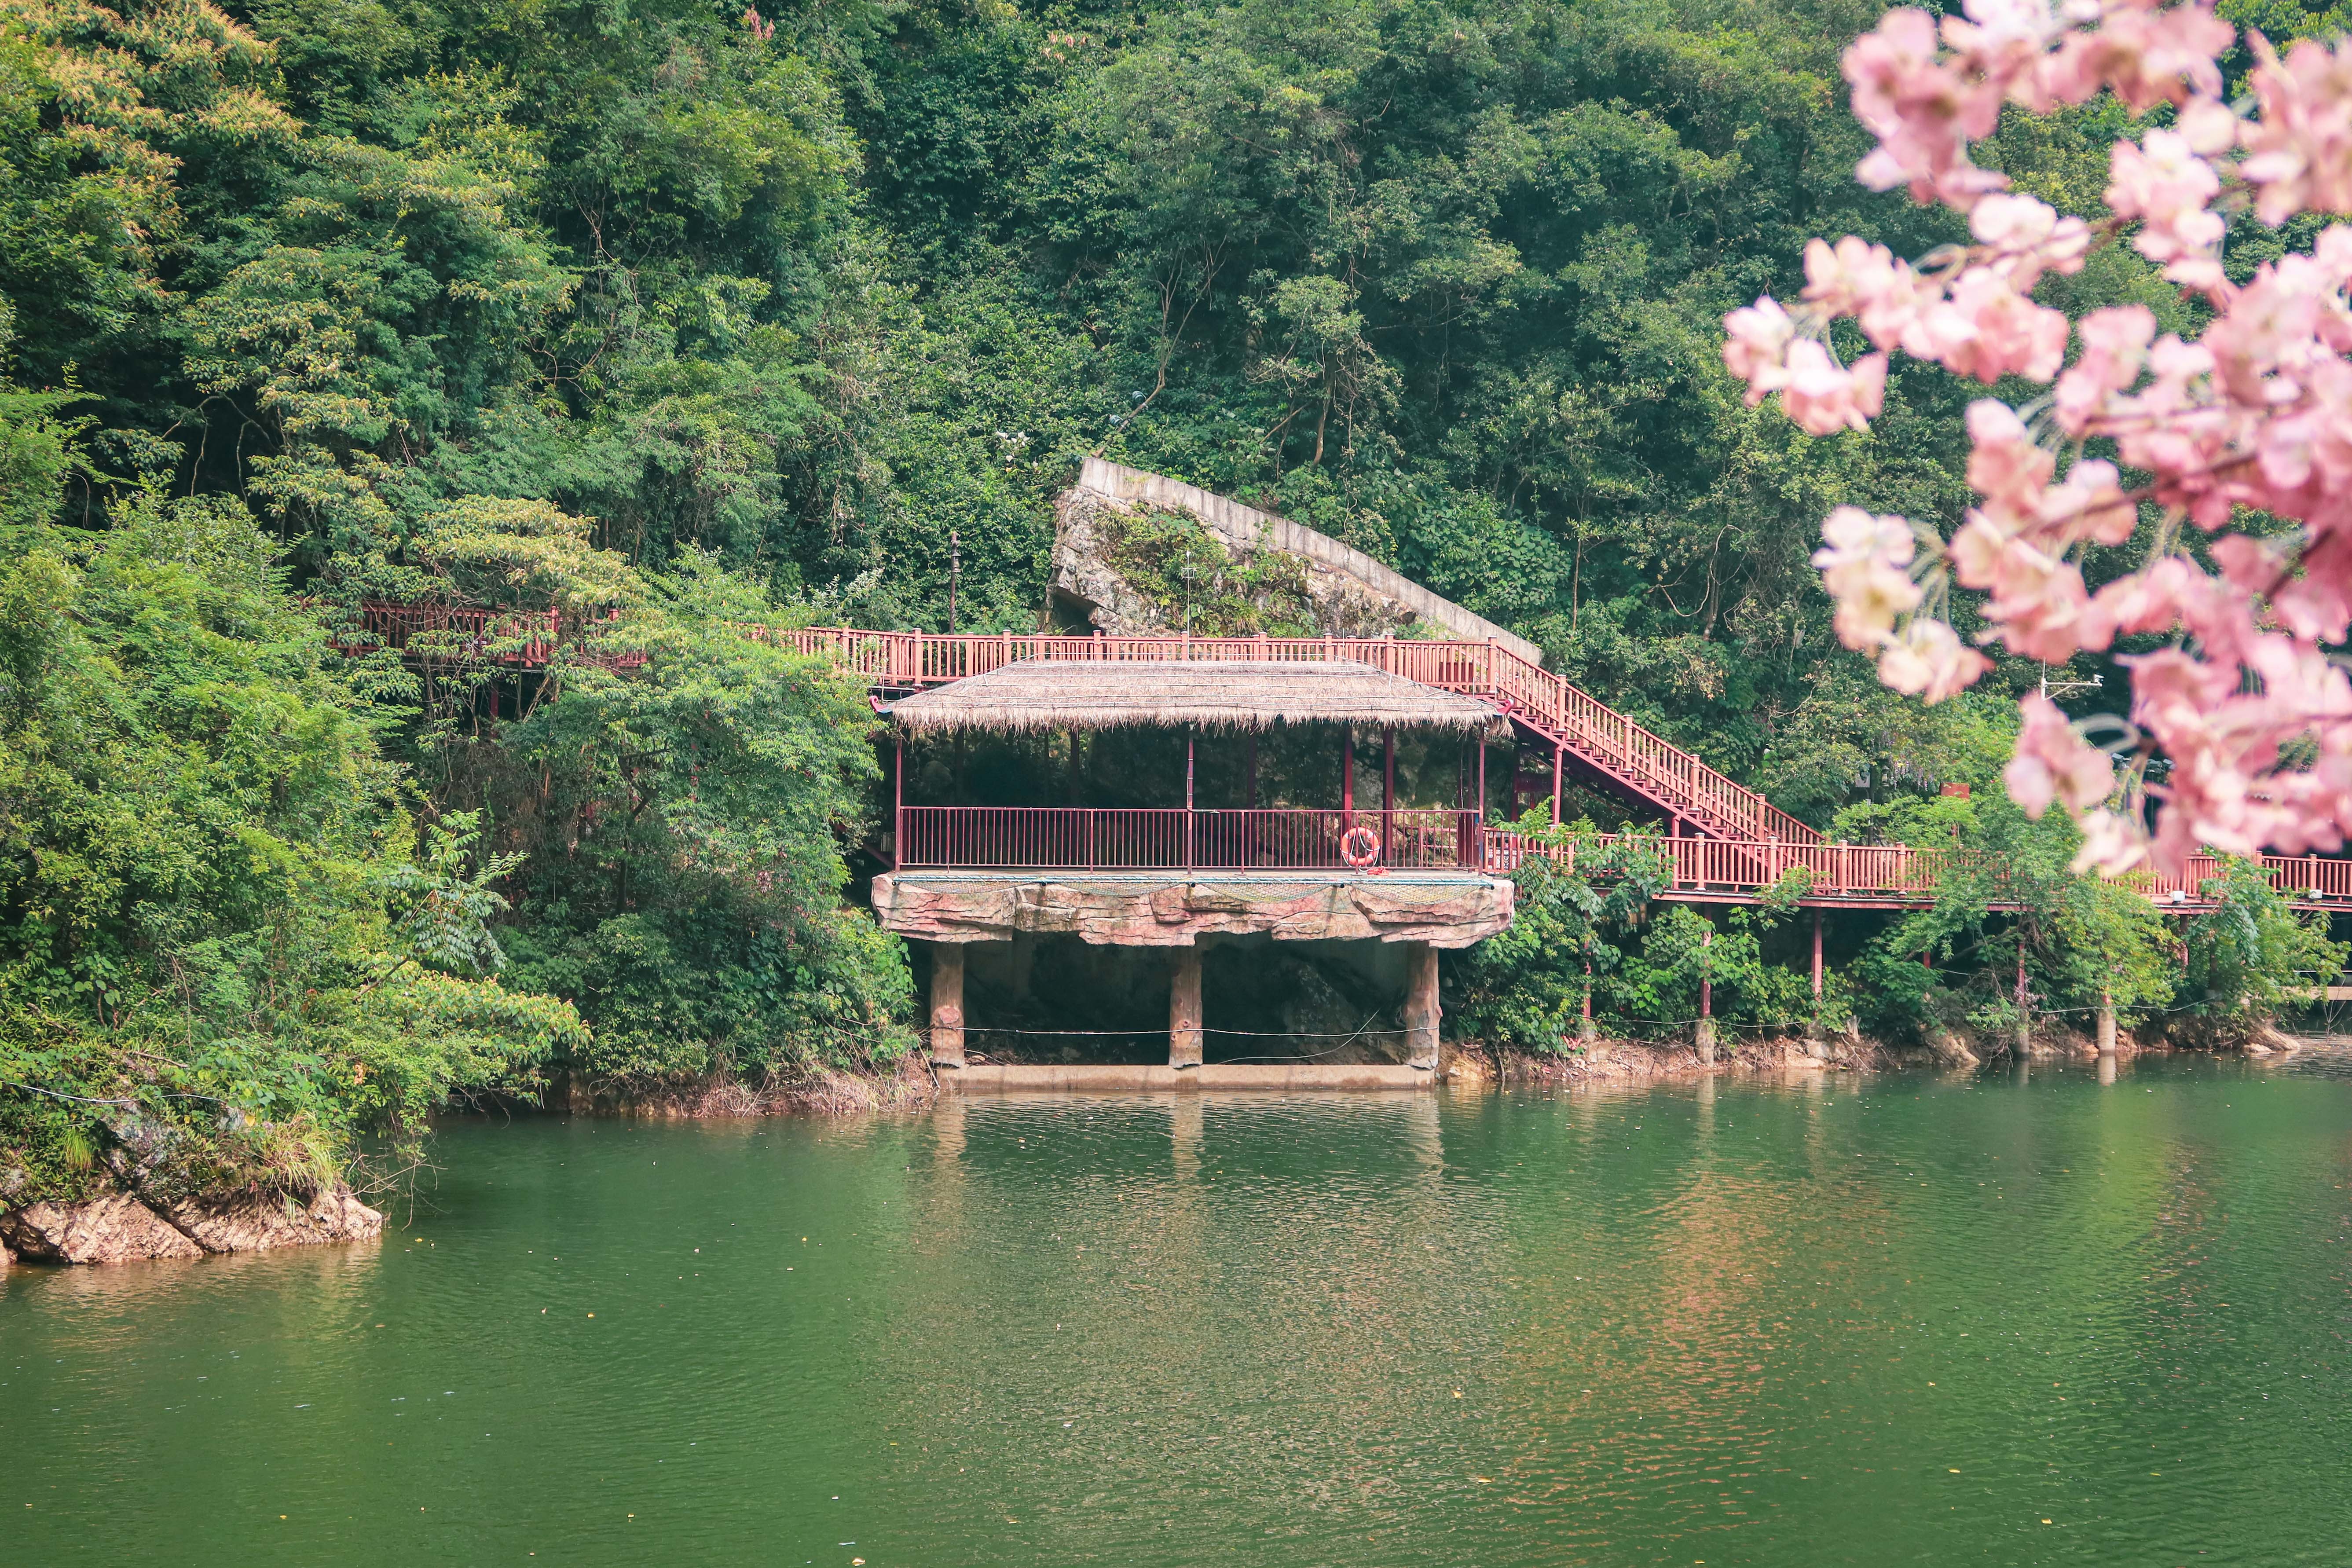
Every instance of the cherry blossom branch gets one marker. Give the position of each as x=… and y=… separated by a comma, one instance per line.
x=2249, y=706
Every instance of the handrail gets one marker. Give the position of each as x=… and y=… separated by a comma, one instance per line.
x=1120, y=838
x=1595, y=732
x=1906, y=871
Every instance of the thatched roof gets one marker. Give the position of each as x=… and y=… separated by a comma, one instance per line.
x=1087, y=694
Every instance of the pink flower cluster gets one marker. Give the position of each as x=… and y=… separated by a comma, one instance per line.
x=2252, y=717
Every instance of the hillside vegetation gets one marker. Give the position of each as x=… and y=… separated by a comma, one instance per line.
x=658, y=315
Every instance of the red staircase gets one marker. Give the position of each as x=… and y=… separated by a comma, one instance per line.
x=1532, y=697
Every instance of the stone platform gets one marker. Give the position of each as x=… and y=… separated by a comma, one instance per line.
x=1175, y=907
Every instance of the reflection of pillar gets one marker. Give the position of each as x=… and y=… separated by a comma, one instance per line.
x=947, y=1003
x=1185, y=1135
x=1184, y=1009
x=947, y=1130
x=2106, y=1069
x=1425, y=1132
x=1421, y=1014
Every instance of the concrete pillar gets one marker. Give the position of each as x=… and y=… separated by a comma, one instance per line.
x=1420, y=1012
x=2107, y=1027
x=2024, y=1046
x=947, y=1003
x=1184, y=1008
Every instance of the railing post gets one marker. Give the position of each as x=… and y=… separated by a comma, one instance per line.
x=1190, y=816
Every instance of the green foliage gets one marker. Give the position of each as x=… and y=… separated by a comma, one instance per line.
x=657, y=318
x=1194, y=584
x=684, y=832
x=2251, y=957
x=1527, y=986
x=217, y=947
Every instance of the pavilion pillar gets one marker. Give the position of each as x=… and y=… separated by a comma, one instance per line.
x=2106, y=1034
x=1421, y=1008
x=947, y=1003
x=1184, y=1009
x=1559, y=759
x=1347, y=774
x=1817, y=955
x=1388, y=796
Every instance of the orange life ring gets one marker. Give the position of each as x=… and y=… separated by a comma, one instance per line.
x=1360, y=846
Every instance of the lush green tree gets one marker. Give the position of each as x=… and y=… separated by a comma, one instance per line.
x=223, y=945
x=685, y=832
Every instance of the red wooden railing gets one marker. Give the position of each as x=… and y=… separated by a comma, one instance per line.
x=1673, y=779
x=1595, y=734
x=984, y=838
x=465, y=634
x=1901, y=873
x=1882, y=872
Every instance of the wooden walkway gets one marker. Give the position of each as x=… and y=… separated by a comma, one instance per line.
x=1732, y=844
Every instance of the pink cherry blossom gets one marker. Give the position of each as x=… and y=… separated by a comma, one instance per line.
x=2249, y=416
x=1757, y=346
x=2299, y=151
x=2052, y=763
x=1824, y=398
x=1929, y=661
x=1863, y=559
x=2165, y=185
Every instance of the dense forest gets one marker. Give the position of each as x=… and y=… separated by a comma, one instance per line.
x=657, y=315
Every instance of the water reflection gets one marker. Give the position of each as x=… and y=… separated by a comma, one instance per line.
x=1814, y=1319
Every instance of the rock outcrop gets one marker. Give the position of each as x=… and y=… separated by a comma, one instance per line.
x=114, y=1227
x=1349, y=594
x=117, y=1227
x=257, y=1222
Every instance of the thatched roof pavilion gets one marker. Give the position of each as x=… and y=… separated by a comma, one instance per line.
x=1087, y=694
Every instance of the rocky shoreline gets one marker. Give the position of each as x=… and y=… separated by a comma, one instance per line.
x=114, y=1226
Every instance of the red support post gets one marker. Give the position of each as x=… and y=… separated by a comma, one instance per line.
x=1347, y=774
x=1559, y=757
x=899, y=810
x=1189, y=742
x=1388, y=790
x=1817, y=955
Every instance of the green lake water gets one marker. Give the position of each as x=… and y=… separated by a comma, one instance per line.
x=1901, y=1320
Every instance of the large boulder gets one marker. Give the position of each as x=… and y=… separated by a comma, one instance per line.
x=114, y=1227
x=256, y=1222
